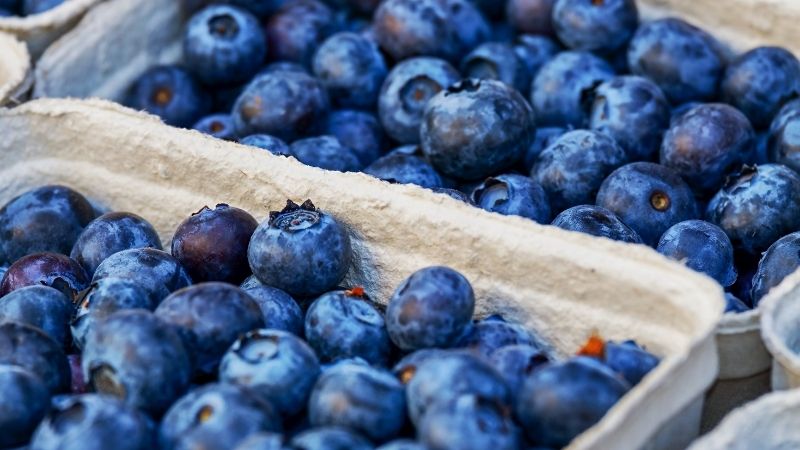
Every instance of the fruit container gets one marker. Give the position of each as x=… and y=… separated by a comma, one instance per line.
x=41, y=30
x=16, y=75
x=561, y=284
x=780, y=315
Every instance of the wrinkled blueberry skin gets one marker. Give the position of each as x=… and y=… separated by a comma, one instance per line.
x=30, y=7
x=172, y=94
x=701, y=246
x=351, y=68
x=155, y=270
x=304, y=253
x=216, y=416
x=47, y=219
x=516, y=362
x=94, y=422
x=224, y=45
x=329, y=438
x=283, y=102
x=49, y=269
x=734, y=305
x=649, y=198
x=219, y=126
x=138, y=358
x=209, y=317
x=325, y=152
x=41, y=307
x=262, y=441
x=297, y=29
x=513, y=195
x=266, y=142
x=707, y=144
x=339, y=325
x=359, y=131
x=212, y=244
x=760, y=81
x=758, y=207
x=501, y=131
x=779, y=261
x=686, y=62
x=633, y=111
x=431, y=308
x=783, y=144
x=531, y=16
x=544, y=137
x=468, y=422
x=454, y=194
x=31, y=349
x=573, y=167
x=405, y=169
x=563, y=86
x=24, y=400
x=560, y=401
x=629, y=360
x=487, y=336
x=277, y=366
x=402, y=444
x=449, y=376
x=278, y=309
x=111, y=233
x=596, y=221
x=407, y=90
x=602, y=26
x=534, y=51
x=103, y=298
x=364, y=399
x=497, y=61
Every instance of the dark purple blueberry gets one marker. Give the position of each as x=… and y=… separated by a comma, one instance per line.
x=678, y=111
x=329, y=438
x=403, y=444
x=261, y=8
x=405, y=169
x=31, y=349
x=41, y=307
x=297, y=29
x=112, y=233
x=783, y=144
x=534, y=51
x=326, y=152
x=779, y=261
x=596, y=25
x=278, y=309
x=211, y=244
x=49, y=269
x=513, y=195
x=24, y=400
x=405, y=369
x=489, y=335
x=596, y=221
x=544, y=137
x=219, y=126
x=266, y=142
x=262, y=441
x=734, y=305
x=497, y=61
x=172, y=94
x=701, y=246
x=469, y=422
x=31, y=7
x=516, y=362
x=46, y=219
x=155, y=270
x=359, y=131
x=629, y=360
x=531, y=16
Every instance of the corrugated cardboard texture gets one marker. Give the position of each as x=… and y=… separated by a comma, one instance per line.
x=15, y=70
x=779, y=327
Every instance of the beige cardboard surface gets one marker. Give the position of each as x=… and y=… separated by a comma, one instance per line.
x=15, y=70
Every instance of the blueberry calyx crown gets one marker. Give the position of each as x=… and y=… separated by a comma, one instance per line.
x=356, y=291
x=207, y=209
x=465, y=85
x=594, y=347
x=295, y=217
x=742, y=178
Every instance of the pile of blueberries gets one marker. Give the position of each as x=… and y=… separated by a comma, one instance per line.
x=10, y=8
x=241, y=338
x=569, y=112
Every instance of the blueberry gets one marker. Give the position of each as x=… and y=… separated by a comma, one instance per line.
x=407, y=90
x=11, y=5
x=284, y=102
x=7, y=12
x=219, y=126
x=216, y=416
x=431, y=308
x=31, y=349
x=561, y=400
x=261, y=8
x=46, y=219
x=402, y=444
x=629, y=360
x=534, y=51
x=783, y=145
x=103, y=298
x=41, y=307
x=565, y=85
x=761, y=153
x=155, y=270
x=501, y=129
x=343, y=324
x=678, y=111
x=531, y=16
x=172, y=94
x=300, y=250
x=403, y=168
x=209, y=317
x=277, y=366
x=262, y=441
x=487, y=336
x=601, y=26
x=515, y=362
x=272, y=144
x=497, y=61
x=91, y=421
x=634, y=112
x=212, y=244
x=405, y=369
x=454, y=194
x=224, y=45
x=30, y=7
x=329, y=438
x=757, y=207
x=779, y=261
x=137, y=357
x=49, y=269
x=685, y=61
x=24, y=399
x=544, y=137
x=297, y=29
x=359, y=131
x=573, y=167
x=701, y=246
x=760, y=81
x=734, y=305
x=449, y=376
x=326, y=152
x=469, y=422
x=352, y=69
x=706, y=144
x=596, y=221
x=278, y=309
x=112, y=233
x=513, y=195
x=364, y=399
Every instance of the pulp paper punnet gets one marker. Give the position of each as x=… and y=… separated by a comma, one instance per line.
x=16, y=75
